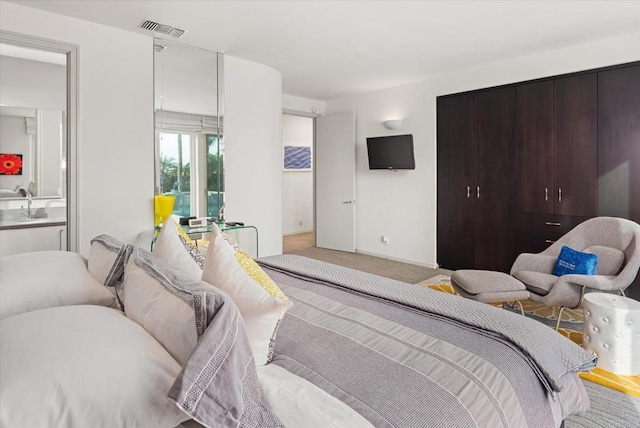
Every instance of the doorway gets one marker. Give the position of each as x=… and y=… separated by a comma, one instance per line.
x=38, y=177
x=298, y=216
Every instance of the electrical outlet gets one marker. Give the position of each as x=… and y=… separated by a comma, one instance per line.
x=385, y=240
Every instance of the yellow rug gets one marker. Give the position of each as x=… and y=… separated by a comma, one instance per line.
x=627, y=384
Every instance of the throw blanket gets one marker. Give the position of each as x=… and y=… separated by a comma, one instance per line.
x=218, y=385
x=407, y=356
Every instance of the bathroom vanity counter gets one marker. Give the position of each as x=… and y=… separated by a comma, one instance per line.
x=34, y=222
x=44, y=212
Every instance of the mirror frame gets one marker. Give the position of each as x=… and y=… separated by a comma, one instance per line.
x=71, y=143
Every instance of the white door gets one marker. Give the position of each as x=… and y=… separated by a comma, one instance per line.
x=335, y=182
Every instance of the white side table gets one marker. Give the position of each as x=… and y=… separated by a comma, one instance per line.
x=611, y=330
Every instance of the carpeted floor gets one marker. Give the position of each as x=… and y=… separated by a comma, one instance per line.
x=384, y=267
x=297, y=242
x=609, y=408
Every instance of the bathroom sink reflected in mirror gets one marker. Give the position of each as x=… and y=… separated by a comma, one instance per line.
x=24, y=223
x=33, y=131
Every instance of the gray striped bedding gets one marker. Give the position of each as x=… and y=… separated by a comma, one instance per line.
x=406, y=356
x=218, y=384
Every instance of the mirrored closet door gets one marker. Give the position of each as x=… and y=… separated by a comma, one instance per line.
x=189, y=132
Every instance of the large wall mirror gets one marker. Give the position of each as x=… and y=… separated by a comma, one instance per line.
x=189, y=132
x=33, y=98
x=37, y=143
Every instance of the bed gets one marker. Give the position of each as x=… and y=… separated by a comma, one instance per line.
x=352, y=350
x=432, y=359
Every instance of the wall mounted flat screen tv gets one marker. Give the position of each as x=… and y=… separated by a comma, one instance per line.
x=393, y=152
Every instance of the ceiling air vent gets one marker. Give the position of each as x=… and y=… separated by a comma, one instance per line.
x=162, y=29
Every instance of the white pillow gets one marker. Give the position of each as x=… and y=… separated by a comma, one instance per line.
x=45, y=279
x=106, y=259
x=262, y=304
x=83, y=366
x=167, y=302
x=177, y=252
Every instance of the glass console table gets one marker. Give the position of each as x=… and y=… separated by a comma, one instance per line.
x=246, y=236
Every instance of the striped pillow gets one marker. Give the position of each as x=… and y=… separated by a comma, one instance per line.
x=106, y=262
x=170, y=304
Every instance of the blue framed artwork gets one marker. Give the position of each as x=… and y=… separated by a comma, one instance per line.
x=297, y=158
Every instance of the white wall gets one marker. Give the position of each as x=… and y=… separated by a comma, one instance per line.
x=402, y=205
x=32, y=84
x=302, y=106
x=115, y=120
x=50, y=144
x=253, y=149
x=297, y=186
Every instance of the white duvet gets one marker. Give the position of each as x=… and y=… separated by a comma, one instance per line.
x=299, y=403
x=83, y=366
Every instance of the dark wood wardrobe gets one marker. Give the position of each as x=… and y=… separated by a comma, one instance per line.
x=521, y=164
x=557, y=157
x=475, y=148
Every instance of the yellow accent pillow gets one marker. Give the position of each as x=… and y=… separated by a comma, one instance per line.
x=261, y=302
x=184, y=235
x=258, y=275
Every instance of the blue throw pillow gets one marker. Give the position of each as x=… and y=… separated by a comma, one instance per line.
x=572, y=262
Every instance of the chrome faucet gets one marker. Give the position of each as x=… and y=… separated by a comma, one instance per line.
x=28, y=205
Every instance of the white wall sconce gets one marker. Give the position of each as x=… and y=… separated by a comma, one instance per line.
x=392, y=123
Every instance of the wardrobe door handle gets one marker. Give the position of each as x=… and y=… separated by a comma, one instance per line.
x=546, y=194
x=559, y=194
x=552, y=223
x=478, y=192
x=60, y=238
x=468, y=191
x=549, y=241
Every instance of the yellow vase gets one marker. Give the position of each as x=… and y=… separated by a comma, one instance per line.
x=163, y=208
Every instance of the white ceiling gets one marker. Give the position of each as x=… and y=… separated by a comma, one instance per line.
x=328, y=49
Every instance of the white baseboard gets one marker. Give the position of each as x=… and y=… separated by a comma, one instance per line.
x=297, y=232
x=397, y=259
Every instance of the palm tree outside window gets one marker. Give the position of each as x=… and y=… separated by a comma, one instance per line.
x=183, y=159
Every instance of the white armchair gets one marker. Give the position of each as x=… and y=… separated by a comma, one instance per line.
x=616, y=242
